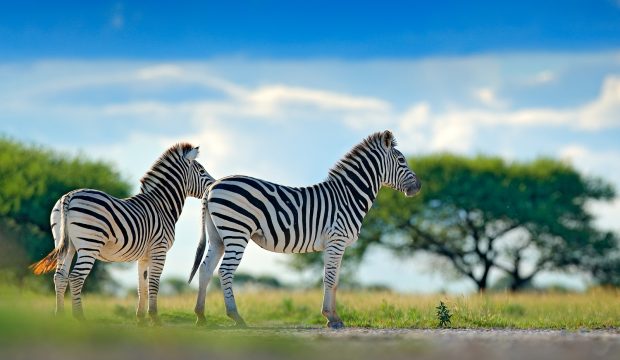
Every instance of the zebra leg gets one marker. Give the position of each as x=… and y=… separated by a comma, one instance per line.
x=333, y=259
x=83, y=265
x=232, y=258
x=142, y=290
x=61, y=279
x=214, y=254
x=156, y=266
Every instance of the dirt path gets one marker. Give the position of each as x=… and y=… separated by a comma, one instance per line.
x=351, y=343
x=464, y=344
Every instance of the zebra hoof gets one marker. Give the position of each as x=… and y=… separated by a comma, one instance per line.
x=201, y=321
x=141, y=322
x=155, y=321
x=335, y=324
x=241, y=325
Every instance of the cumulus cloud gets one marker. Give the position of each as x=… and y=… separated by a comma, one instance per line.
x=456, y=129
x=603, y=112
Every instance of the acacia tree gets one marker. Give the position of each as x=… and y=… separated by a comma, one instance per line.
x=32, y=178
x=483, y=213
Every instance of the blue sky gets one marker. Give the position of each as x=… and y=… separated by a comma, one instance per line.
x=301, y=29
x=282, y=90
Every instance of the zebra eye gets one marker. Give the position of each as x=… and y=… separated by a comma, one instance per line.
x=202, y=171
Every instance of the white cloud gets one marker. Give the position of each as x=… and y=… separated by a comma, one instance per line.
x=488, y=97
x=603, y=112
x=452, y=133
x=456, y=129
x=159, y=71
x=413, y=128
x=280, y=94
x=603, y=164
x=599, y=163
x=572, y=153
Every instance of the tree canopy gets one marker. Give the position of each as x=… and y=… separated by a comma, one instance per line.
x=32, y=179
x=483, y=213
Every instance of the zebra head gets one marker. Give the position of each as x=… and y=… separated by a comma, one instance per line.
x=197, y=179
x=397, y=174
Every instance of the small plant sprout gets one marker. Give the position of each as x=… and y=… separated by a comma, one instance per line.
x=443, y=315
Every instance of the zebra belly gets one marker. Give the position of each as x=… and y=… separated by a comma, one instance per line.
x=115, y=252
x=280, y=246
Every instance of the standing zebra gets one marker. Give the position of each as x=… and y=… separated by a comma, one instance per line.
x=323, y=217
x=98, y=226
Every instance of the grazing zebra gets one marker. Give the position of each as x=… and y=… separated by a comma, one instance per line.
x=98, y=226
x=323, y=217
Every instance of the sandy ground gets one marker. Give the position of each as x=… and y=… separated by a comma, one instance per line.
x=360, y=343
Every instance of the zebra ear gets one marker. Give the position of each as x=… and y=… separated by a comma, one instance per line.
x=192, y=154
x=387, y=139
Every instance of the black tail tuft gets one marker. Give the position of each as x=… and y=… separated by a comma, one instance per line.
x=202, y=243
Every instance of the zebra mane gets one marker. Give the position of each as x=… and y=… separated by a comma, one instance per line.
x=177, y=150
x=372, y=141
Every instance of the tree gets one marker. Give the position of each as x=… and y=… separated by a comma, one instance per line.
x=32, y=178
x=606, y=271
x=482, y=213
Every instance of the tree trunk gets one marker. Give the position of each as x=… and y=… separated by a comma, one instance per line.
x=482, y=282
x=515, y=284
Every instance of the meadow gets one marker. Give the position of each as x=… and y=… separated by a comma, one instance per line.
x=29, y=329
x=594, y=309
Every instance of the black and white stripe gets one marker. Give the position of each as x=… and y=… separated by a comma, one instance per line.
x=323, y=217
x=98, y=226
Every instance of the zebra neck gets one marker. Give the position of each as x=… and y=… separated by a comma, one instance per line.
x=356, y=190
x=359, y=173
x=169, y=198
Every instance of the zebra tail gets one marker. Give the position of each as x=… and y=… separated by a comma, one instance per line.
x=202, y=243
x=49, y=262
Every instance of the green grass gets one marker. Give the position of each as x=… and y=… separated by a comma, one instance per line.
x=592, y=310
x=27, y=324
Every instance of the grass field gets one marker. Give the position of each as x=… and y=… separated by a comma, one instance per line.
x=595, y=309
x=27, y=325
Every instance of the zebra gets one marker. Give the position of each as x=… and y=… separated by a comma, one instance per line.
x=323, y=217
x=98, y=226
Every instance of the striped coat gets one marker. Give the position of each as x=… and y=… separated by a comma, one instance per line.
x=323, y=217
x=97, y=226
